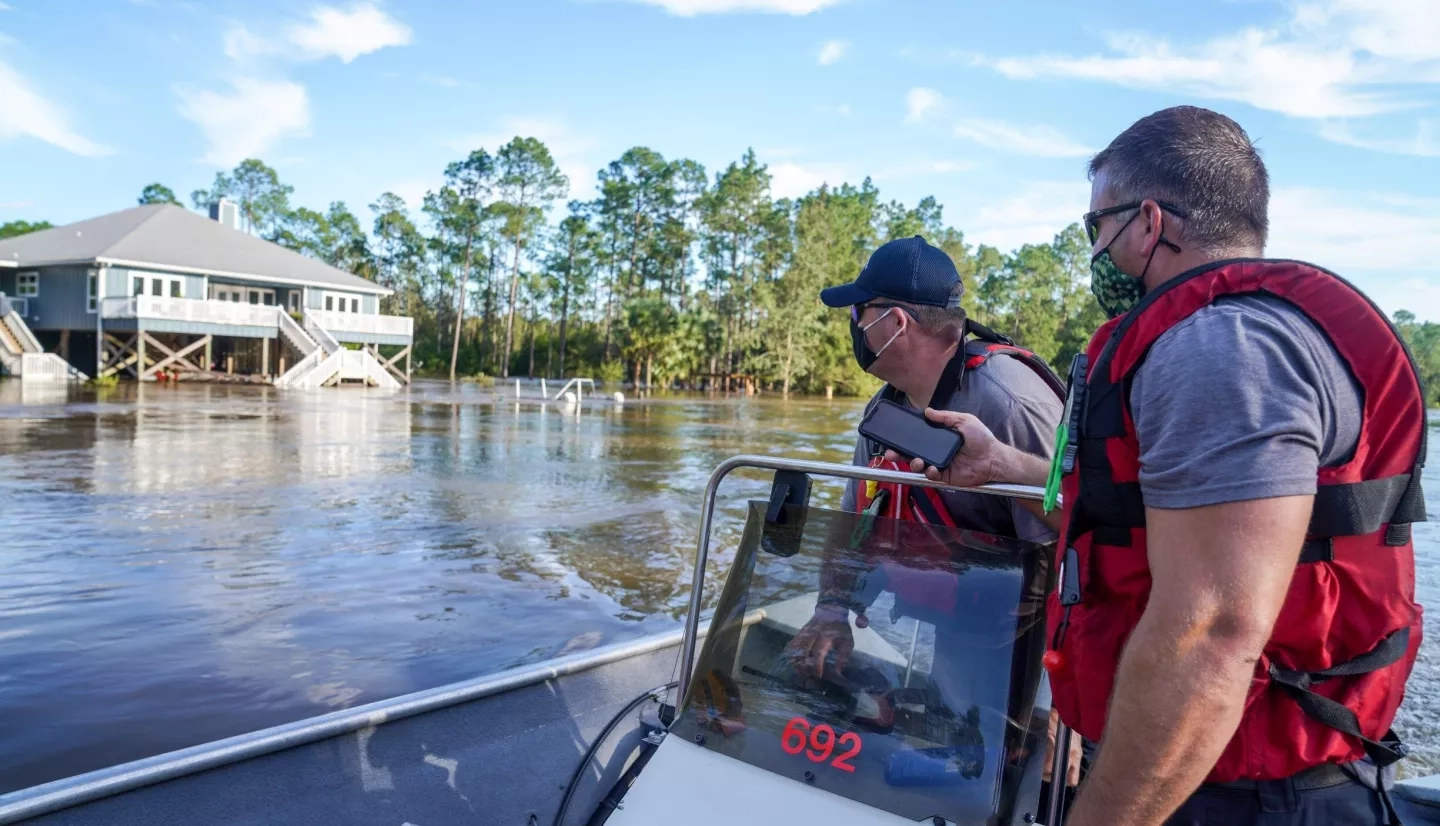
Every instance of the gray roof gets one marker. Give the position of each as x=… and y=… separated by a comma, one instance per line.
x=172, y=237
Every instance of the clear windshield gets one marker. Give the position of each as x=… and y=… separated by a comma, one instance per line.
x=931, y=712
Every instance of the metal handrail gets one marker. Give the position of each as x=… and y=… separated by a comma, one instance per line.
x=707, y=516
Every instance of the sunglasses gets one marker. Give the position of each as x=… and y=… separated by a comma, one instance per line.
x=856, y=310
x=1092, y=219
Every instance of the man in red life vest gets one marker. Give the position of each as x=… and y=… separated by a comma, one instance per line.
x=1238, y=618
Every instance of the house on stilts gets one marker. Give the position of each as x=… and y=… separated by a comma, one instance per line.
x=158, y=289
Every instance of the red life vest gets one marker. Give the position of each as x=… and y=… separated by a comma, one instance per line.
x=1333, y=673
x=917, y=508
x=925, y=504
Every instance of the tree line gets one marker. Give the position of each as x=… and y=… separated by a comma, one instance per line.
x=671, y=276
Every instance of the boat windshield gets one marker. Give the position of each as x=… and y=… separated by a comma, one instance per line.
x=931, y=712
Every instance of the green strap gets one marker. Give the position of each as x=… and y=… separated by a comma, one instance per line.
x=1057, y=463
x=867, y=519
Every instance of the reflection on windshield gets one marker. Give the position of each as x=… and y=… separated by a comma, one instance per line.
x=923, y=707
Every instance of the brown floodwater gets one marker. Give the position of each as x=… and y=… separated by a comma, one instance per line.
x=184, y=563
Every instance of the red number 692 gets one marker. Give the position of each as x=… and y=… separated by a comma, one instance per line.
x=818, y=743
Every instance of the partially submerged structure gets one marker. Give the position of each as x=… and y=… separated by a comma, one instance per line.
x=157, y=289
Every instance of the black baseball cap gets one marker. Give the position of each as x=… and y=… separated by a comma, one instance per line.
x=906, y=269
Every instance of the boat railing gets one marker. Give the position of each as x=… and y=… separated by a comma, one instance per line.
x=725, y=468
x=776, y=463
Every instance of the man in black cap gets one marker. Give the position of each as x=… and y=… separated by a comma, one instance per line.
x=908, y=328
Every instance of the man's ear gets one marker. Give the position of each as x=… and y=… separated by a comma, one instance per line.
x=1154, y=218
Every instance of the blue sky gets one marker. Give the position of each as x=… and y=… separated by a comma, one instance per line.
x=991, y=107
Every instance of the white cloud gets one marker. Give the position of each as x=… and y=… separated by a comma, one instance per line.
x=240, y=43
x=1347, y=231
x=1425, y=144
x=330, y=32
x=1033, y=214
x=25, y=113
x=572, y=153
x=249, y=120
x=16, y=204
x=792, y=180
x=1417, y=295
x=1038, y=140
x=843, y=110
x=6, y=7
x=691, y=8
x=1329, y=59
x=832, y=51
x=348, y=34
x=919, y=102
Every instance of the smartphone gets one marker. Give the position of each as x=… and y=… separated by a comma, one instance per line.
x=910, y=434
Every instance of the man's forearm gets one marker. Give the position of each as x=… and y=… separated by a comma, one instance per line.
x=1020, y=468
x=1176, y=705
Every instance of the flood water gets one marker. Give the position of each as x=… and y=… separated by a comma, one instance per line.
x=187, y=563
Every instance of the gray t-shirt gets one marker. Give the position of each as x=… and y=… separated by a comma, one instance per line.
x=1245, y=399
x=1021, y=410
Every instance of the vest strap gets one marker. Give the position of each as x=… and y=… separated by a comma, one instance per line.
x=920, y=502
x=1360, y=508
x=1317, y=550
x=1297, y=684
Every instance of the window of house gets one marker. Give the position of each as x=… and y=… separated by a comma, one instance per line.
x=269, y=299
x=329, y=303
x=175, y=289
x=92, y=285
x=295, y=301
x=354, y=305
x=254, y=297
x=137, y=285
x=157, y=286
x=27, y=284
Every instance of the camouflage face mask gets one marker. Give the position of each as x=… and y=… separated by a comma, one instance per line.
x=1116, y=291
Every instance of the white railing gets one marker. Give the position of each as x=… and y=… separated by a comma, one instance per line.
x=21, y=331
x=295, y=376
x=296, y=335
x=47, y=367
x=322, y=336
x=578, y=384
x=318, y=368
x=382, y=325
x=190, y=309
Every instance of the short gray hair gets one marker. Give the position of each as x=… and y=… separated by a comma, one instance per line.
x=1201, y=162
x=942, y=322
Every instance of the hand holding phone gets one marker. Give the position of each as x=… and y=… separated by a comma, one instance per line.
x=910, y=434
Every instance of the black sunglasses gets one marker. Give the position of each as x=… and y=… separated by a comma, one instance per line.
x=1092, y=219
x=857, y=309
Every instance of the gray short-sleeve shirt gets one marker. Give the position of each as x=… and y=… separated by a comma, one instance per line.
x=1245, y=399
x=1021, y=410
